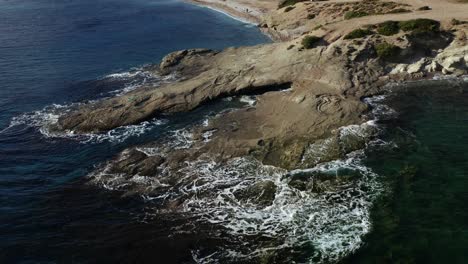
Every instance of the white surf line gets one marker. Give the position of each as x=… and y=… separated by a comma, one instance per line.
x=219, y=10
x=245, y=21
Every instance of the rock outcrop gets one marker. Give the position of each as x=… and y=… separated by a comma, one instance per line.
x=294, y=128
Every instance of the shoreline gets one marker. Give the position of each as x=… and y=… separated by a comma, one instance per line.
x=232, y=11
x=254, y=16
x=225, y=11
x=309, y=107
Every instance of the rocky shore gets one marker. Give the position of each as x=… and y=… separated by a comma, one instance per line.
x=309, y=84
x=310, y=112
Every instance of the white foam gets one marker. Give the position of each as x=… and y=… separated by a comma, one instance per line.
x=251, y=100
x=182, y=139
x=124, y=75
x=207, y=135
x=42, y=118
x=139, y=78
x=48, y=116
x=379, y=109
x=333, y=221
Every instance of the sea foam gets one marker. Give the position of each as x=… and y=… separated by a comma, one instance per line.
x=48, y=116
x=332, y=221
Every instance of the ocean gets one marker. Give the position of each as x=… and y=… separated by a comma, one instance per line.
x=402, y=198
x=55, y=52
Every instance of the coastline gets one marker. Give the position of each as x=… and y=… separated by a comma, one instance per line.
x=236, y=15
x=275, y=154
x=248, y=13
x=308, y=109
x=238, y=11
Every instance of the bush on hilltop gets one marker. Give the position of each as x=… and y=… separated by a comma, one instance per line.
x=358, y=33
x=388, y=28
x=354, y=14
x=288, y=3
x=386, y=50
x=289, y=8
x=420, y=25
x=309, y=41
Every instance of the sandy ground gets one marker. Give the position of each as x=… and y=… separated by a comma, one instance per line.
x=442, y=10
x=254, y=10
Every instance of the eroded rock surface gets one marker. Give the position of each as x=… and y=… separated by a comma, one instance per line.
x=309, y=119
x=294, y=128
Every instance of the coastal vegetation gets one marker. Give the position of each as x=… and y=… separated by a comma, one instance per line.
x=424, y=8
x=386, y=50
x=371, y=7
x=309, y=42
x=289, y=8
x=420, y=25
x=288, y=3
x=457, y=22
x=358, y=33
x=355, y=14
x=388, y=28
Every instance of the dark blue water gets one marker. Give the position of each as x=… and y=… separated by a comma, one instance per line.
x=57, y=52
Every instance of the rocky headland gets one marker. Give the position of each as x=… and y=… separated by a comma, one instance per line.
x=309, y=84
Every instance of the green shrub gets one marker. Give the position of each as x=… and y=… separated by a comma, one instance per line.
x=456, y=22
x=386, y=50
x=388, y=28
x=309, y=41
x=289, y=8
x=288, y=3
x=424, y=8
x=358, y=33
x=354, y=14
x=420, y=25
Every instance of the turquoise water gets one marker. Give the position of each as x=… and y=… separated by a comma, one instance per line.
x=424, y=217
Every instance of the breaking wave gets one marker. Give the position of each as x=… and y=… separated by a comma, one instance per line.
x=137, y=78
x=333, y=221
x=317, y=215
x=43, y=119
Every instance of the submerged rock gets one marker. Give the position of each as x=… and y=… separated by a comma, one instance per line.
x=135, y=162
x=320, y=182
x=261, y=193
